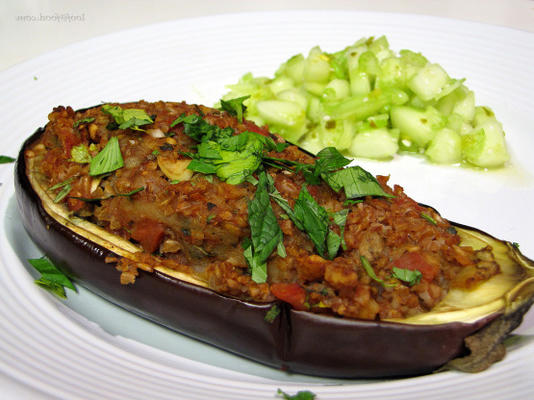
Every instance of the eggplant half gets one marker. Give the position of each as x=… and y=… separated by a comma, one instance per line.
x=464, y=331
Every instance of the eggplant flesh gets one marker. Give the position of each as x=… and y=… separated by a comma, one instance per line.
x=464, y=331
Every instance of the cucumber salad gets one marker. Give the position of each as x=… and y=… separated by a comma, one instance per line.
x=368, y=101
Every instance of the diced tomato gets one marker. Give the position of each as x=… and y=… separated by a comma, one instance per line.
x=416, y=261
x=149, y=233
x=291, y=293
x=251, y=126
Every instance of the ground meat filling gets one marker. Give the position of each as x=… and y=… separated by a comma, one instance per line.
x=196, y=224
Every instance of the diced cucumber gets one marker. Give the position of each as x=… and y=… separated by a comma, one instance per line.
x=285, y=117
x=315, y=110
x=369, y=64
x=380, y=47
x=374, y=143
x=294, y=68
x=445, y=147
x=359, y=83
x=317, y=66
x=314, y=88
x=374, y=89
x=280, y=84
x=482, y=114
x=429, y=81
x=418, y=126
x=337, y=89
x=485, y=146
x=294, y=95
x=337, y=134
x=391, y=73
x=466, y=106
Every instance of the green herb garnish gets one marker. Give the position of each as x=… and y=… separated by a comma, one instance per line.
x=313, y=218
x=411, y=277
x=265, y=232
x=83, y=121
x=6, y=159
x=52, y=279
x=235, y=107
x=109, y=159
x=516, y=245
x=271, y=315
x=356, y=182
x=370, y=271
x=94, y=200
x=428, y=218
x=80, y=154
x=131, y=118
x=65, y=189
x=301, y=395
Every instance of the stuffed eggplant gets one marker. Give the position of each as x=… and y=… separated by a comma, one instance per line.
x=208, y=224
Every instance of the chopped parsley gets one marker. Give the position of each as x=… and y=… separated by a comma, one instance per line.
x=6, y=159
x=265, y=232
x=235, y=107
x=273, y=312
x=80, y=154
x=301, y=395
x=52, y=279
x=131, y=118
x=411, y=277
x=83, y=121
x=109, y=159
x=370, y=271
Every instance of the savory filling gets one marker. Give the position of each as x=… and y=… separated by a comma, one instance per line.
x=208, y=194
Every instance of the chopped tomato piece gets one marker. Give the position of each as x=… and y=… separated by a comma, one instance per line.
x=416, y=261
x=251, y=126
x=149, y=233
x=291, y=293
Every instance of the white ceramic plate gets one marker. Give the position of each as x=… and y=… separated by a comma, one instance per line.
x=85, y=348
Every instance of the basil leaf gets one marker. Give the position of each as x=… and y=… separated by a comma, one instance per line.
x=128, y=118
x=370, y=271
x=83, y=121
x=356, y=182
x=411, y=277
x=329, y=159
x=340, y=219
x=52, y=279
x=265, y=232
x=235, y=107
x=258, y=270
x=80, y=154
x=301, y=395
x=284, y=205
x=109, y=159
x=6, y=159
x=313, y=218
x=271, y=315
x=333, y=243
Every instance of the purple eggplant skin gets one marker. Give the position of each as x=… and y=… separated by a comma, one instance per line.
x=296, y=341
